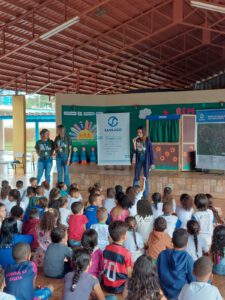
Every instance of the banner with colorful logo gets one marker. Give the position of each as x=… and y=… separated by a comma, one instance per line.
x=113, y=139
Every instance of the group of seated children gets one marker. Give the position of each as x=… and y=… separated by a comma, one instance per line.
x=118, y=247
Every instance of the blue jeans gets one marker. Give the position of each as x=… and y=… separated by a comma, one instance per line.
x=44, y=166
x=140, y=164
x=61, y=164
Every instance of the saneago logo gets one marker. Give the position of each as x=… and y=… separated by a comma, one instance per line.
x=112, y=121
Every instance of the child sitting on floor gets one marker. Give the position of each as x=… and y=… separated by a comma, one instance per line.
x=8, y=238
x=110, y=201
x=158, y=240
x=54, y=261
x=172, y=221
x=46, y=186
x=13, y=200
x=17, y=213
x=218, y=250
x=54, y=196
x=33, y=182
x=63, y=189
x=29, y=199
x=89, y=242
x=201, y=288
x=79, y=284
x=134, y=242
x=48, y=221
x=64, y=211
x=19, y=186
x=3, y=295
x=204, y=216
x=77, y=224
x=74, y=196
x=157, y=205
x=144, y=218
x=168, y=197
x=102, y=228
x=95, y=201
x=175, y=266
x=143, y=284
x=20, y=277
x=218, y=219
x=111, y=281
x=185, y=210
x=30, y=227
x=136, y=193
x=197, y=245
x=121, y=211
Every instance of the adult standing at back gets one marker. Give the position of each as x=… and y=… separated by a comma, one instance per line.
x=144, y=158
x=63, y=148
x=44, y=148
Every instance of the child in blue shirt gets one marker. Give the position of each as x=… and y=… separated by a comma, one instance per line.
x=20, y=277
x=90, y=212
x=8, y=238
x=175, y=266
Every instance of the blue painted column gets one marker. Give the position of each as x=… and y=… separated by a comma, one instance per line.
x=36, y=131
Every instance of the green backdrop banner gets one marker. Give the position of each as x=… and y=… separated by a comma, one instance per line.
x=80, y=121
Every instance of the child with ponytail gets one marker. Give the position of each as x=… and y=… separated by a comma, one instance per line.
x=79, y=284
x=89, y=242
x=134, y=242
x=197, y=245
x=218, y=250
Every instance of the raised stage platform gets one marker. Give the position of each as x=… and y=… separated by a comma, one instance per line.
x=181, y=182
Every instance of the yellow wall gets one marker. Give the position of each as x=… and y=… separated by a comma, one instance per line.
x=141, y=99
x=19, y=126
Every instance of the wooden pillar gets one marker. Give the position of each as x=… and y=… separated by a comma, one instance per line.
x=19, y=131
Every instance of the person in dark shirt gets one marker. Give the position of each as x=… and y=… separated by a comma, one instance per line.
x=44, y=148
x=54, y=261
x=144, y=158
x=63, y=148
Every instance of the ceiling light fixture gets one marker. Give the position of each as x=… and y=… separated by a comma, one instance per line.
x=60, y=28
x=208, y=6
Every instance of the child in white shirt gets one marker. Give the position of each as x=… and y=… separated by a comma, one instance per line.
x=13, y=200
x=204, y=216
x=30, y=193
x=74, y=196
x=201, y=289
x=185, y=211
x=197, y=245
x=102, y=228
x=172, y=221
x=110, y=201
x=64, y=211
x=157, y=205
x=17, y=212
x=134, y=242
x=138, y=194
x=19, y=186
x=144, y=219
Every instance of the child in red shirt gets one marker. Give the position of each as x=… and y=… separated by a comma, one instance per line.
x=30, y=227
x=117, y=260
x=77, y=224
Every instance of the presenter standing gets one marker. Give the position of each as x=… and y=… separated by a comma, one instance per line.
x=144, y=158
x=63, y=150
x=44, y=148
